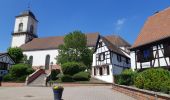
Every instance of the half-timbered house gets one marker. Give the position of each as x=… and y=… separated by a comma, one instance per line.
x=5, y=63
x=152, y=47
x=111, y=56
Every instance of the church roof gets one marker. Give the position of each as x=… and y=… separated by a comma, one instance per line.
x=156, y=28
x=54, y=42
x=27, y=13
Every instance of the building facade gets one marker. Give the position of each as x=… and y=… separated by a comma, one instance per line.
x=5, y=63
x=109, y=59
x=152, y=47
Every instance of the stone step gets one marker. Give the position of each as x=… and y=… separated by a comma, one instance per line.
x=39, y=81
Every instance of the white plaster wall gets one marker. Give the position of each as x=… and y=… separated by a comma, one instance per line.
x=105, y=77
x=100, y=50
x=147, y=64
x=132, y=57
x=18, y=40
x=39, y=56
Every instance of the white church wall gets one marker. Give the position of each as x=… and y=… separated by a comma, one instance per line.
x=40, y=56
x=18, y=40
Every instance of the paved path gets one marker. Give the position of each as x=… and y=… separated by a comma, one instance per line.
x=70, y=93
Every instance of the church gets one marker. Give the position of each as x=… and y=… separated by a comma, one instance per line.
x=42, y=52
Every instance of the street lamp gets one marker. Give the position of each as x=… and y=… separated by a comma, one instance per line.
x=50, y=73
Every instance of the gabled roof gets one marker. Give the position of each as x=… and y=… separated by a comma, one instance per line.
x=118, y=41
x=54, y=42
x=6, y=54
x=3, y=53
x=112, y=47
x=156, y=28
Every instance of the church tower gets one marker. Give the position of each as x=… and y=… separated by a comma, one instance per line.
x=25, y=29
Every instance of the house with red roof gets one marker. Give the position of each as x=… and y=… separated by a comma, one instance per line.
x=152, y=46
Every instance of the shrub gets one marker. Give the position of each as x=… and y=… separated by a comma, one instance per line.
x=128, y=71
x=81, y=76
x=54, y=74
x=18, y=73
x=7, y=78
x=66, y=78
x=21, y=79
x=19, y=70
x=125, y=78
x=165, y=87
x=153, y=79
x=71, y=68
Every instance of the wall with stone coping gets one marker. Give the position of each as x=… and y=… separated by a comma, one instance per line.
x=140, y=94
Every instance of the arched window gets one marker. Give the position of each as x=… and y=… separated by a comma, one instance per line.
x=20, y=28
x=31, y=28
x=31, y=60
x=47, y=62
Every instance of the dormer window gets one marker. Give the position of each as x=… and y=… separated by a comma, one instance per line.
x=20, y=28
x=31, y=28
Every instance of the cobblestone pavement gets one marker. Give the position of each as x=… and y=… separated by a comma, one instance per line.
x=70, y=93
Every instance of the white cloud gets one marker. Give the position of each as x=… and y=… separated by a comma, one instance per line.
x=119, y=23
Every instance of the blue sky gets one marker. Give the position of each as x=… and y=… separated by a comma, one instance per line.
x=58, y=17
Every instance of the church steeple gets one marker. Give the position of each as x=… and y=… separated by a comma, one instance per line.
x=25, y=28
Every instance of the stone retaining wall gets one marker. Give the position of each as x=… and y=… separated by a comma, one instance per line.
x=140, y=94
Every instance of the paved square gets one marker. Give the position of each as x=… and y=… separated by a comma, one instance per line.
x=70, y=93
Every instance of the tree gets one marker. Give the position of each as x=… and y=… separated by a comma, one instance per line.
x=16, y=54
x=75, y=49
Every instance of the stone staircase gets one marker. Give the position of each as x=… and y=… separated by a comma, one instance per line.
x=39, y=81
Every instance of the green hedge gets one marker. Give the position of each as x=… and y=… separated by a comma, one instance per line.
x=154, y=79
x=66, y=78
x=54, y=74
x=71, y=68
x=125, y=78
x=81, y=76
x=18, y=73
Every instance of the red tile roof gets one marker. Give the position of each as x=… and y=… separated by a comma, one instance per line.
x=54, y=42
x=118, y=41
x=156, y=28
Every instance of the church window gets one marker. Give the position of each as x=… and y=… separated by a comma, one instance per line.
x=20, y=29
x=31, y=60
x=47, y=62
x=31, y=28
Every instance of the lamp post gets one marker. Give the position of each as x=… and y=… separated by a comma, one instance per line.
x=50, y=73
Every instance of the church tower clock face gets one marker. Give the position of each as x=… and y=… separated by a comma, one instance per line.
x=25, y=28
